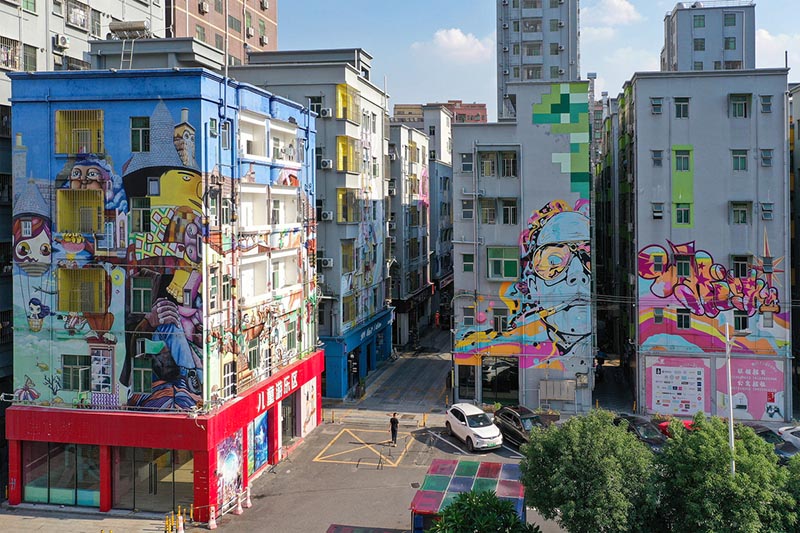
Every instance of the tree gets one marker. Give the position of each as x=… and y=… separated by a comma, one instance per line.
x=696, y=491
x=588, y=474
x=481, y=512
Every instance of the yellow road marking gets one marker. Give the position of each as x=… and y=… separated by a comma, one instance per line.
x=323, y=457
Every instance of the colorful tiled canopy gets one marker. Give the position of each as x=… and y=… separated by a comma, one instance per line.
x=446, y=478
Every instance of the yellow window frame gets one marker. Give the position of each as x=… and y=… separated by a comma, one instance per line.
x=79, y=131
x=81, y=290
x=79, y=210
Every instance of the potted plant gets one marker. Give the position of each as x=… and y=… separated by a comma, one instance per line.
x=547, y=414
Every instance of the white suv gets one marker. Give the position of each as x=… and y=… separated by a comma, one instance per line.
x=473, y=426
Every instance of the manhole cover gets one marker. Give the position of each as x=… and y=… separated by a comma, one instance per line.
x=406, y=417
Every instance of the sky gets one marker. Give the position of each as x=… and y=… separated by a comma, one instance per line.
x=438, y=50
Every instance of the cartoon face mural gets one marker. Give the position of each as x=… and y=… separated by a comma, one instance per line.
x=550, y=301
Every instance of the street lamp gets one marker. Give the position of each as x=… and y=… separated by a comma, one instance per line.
x=743, y=333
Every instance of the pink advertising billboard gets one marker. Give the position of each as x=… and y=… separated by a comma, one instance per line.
x=757, y=386
x=678, y=385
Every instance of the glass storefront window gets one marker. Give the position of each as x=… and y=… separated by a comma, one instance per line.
x=466, y=382
x=62, y=474
x=152, y=480
x=500, y=379
x=88, y=472
x=34, y=472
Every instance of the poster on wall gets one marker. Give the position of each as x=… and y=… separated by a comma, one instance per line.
x=309, y=406
x=757, y=386
x=229, y=469
x=257, y=443
x=677, y=385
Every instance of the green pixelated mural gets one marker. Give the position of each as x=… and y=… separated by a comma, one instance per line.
x=566, y=108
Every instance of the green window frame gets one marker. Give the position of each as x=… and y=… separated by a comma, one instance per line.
x=503, y=263
x=141, y=294
x=683, y=213
x=469, y=262
x=739, y=159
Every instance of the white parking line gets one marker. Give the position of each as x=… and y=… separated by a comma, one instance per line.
x=515, y=452
x=447, y=442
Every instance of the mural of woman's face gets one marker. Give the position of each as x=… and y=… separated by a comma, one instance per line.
x=87, y=176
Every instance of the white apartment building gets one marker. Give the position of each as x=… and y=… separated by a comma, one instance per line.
x=537, y=40
x=352, y=160
x=710, y=35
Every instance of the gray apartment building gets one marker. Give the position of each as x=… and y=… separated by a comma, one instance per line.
x=409, y=232
x=537, y=40
x=352, y=159
x=522, y=253
x=710, y=35
x=704, y=216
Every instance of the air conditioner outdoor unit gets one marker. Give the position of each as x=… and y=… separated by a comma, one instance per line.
x=251, y=31
x=326, y=164
x=203, y=7
x=560, y=23
x=321, y=279
x=62, y=41
x=506, y=96
x=560, y=47
x=505, y=49
x=326, y=262
x=392, y=239
x=392, y=191
x=326, y=112
x=392, y=226
x=506, y=72
x=264, y=4
x=263, y=40
x=505, y=2
x=561, y=71
x=326, y=215
x=392, y=156
x=505, y=25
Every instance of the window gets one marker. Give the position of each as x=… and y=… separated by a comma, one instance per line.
x=554, y=3
x=740, y=266
x=699, y=21
x=554, y=72
x=766, y=103
x=656, y=104
x=683, y=264
x=515, y=26
x=532, y=25
x=27, y=228
x=77, y=14
x=469, y=316
x=500, y=319
x=229, y=379
x=740, y=320
x=140, y=215
x=96, y=25
x=533, y=49
x=730, y=19
x=682, y=107
x=252, y=354
x=658, y=210
x=767, y=209
x=79, y=131
x=682, y=160
x=226, y=288
x=213, y=288
x=658, y=157
x=466, y=162
x=234, y=24
x=515, y=49
x=488, y=211
x=488, y=165
x=533, y=73
x=766, y=157
x=348, y=255
x=739, y=212
x=200, y=33
x=739, y=159
x=739, y=104
x=28, y=58
x=80, y=210
x=315, y=104
x=503, y=263
x=767, y=266
x=554, y=51
x=219, y=42
x=684, y=319
x=730, y=43
x=142, y=375
x=509, y=207
x=76, y=372
x=291, y=335
x=554, y=24
x=469, y=262
x=467, y=209
x=141, y=294
x=81, y=290
x=225, y=135
x=58, y=8
x=658, y=315
x=698, y=65
x=658, y=263
x=717, y=65
x=348, y=206
x=140, y=134
x=683, y=213
x=275, y=214
x=699, y=45
x=766, y=319
x=262, y=28
x=431, y=130
x=509, y=169
x=733, y=65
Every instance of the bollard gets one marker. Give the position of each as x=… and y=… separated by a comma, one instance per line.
x=247, y=503
x=634, y=406
x=212, y=517
x=166, y=524
x=333, y=416
x=424, y=419
x=597, y=404
x=238, y=509
x=180, y=524
x=191, y=513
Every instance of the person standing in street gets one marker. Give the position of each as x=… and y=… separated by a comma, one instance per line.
x=394, y=423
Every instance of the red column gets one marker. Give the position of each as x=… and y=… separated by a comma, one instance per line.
x=273, y=432
x=205, y=483
x=105, y=478
x=319, y=399
x=14, y=472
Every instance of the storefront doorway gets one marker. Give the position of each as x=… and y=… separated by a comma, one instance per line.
x=500, y=380
x=289, y=419
x=466, y=382
x=152, y=480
